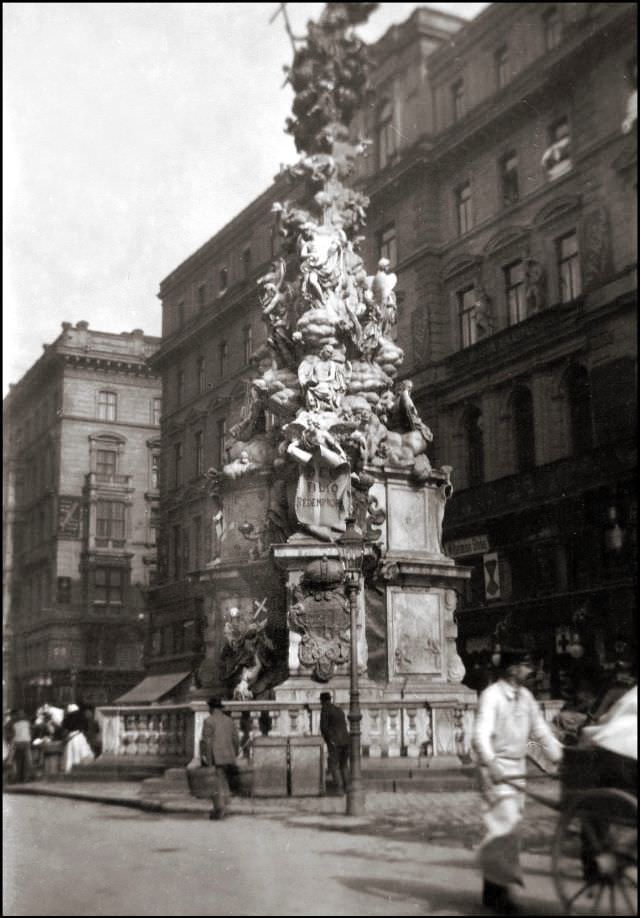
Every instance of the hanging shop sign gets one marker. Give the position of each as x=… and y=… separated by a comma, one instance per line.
x=491, y=567
x=563, y=639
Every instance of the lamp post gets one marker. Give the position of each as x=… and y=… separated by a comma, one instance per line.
x=351, y=547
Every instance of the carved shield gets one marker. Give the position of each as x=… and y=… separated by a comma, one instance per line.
x=322, y=618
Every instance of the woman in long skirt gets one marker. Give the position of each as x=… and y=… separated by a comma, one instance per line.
x=77, y=750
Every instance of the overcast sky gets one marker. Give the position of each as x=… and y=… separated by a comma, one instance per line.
x=132, y=133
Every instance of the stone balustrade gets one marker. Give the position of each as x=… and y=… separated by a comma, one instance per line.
x=170, y=733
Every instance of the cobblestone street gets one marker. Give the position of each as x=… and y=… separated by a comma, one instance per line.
x=454, y=816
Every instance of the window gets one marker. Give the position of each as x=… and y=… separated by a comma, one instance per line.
x=246, y=263
x=167, y=640
x=223, y=280
x=222, y=433
x=201, y=375
x=156, y=410
x=199, y=452
x=106, y=464
x=110, y=520
x=64, y=590
x=457, y=96
x=580, y=414
x=177, y=553
x=502, y=66
x=178, y=638
x=474, y=436
x=177, y=464
x=180, y=387
x=523, y=429
x=107, y=405
x=466, y=311
x=568, y=267
x=552, y=29
x=388, y=245
x=109, y=585
x=385, y=134
x=509, y=179
x=181, y=315
x=155, y=471
x=223, y=356
x=154, y=520
x=186, y=556
x=201, y=295
x=556, y=159
x=463, y=208
x=247, y=343
x=197, y=541
x=514, y=292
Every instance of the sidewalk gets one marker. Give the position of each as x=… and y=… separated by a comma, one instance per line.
x=453, y=817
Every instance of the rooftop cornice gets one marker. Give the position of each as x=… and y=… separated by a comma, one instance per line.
x=473, y=32
x=423, y=22
x=520, y=94
x=236, y=228
x=119, y=362
x=57, y=353
x=239, y=296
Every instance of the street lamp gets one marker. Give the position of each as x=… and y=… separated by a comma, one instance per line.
x=351, y=548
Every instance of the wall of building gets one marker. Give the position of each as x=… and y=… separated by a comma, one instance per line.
x=60, y=624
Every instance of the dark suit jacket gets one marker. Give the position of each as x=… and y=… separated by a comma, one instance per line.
x=220, y=742
x=333, y=725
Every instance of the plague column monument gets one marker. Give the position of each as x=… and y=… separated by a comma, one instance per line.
x=330, y=439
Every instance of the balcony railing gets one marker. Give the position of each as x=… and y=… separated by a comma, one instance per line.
x=545, y=483
x=103, y=478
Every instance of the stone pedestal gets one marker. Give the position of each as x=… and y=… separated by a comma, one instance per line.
x=420, y=586
x=318, y=616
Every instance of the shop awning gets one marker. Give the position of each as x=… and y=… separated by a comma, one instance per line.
x=152, y=688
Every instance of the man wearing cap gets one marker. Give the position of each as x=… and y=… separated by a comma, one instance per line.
x=508, y=718
x=333, y=727
x=219, y=747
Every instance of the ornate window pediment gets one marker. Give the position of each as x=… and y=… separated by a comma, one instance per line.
x=557, y=208
x=505, y=237
x=460, y=264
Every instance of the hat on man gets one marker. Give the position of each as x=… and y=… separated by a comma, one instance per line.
x=325, y=696
x=512, y=656
x=214, y=702
x=72, y=708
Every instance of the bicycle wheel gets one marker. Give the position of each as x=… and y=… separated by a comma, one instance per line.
x=595, y=856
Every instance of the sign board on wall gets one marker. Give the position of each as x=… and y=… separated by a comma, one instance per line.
x=471, y=545
x=69, y=517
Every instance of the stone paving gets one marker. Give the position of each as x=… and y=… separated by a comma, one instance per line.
x=453, y=817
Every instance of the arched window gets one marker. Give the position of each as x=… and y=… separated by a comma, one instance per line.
x=523, y=429
x=474, y=437
x=578, y=390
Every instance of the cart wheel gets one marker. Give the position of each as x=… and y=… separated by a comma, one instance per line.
x=595, y=856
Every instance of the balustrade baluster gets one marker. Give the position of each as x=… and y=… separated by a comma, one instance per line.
x=393, y=733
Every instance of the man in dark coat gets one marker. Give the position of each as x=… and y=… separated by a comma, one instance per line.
x=333, y=727
x=219, y=747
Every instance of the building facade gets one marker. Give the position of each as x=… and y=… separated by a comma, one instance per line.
x=502, y=186
x=81, y=499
